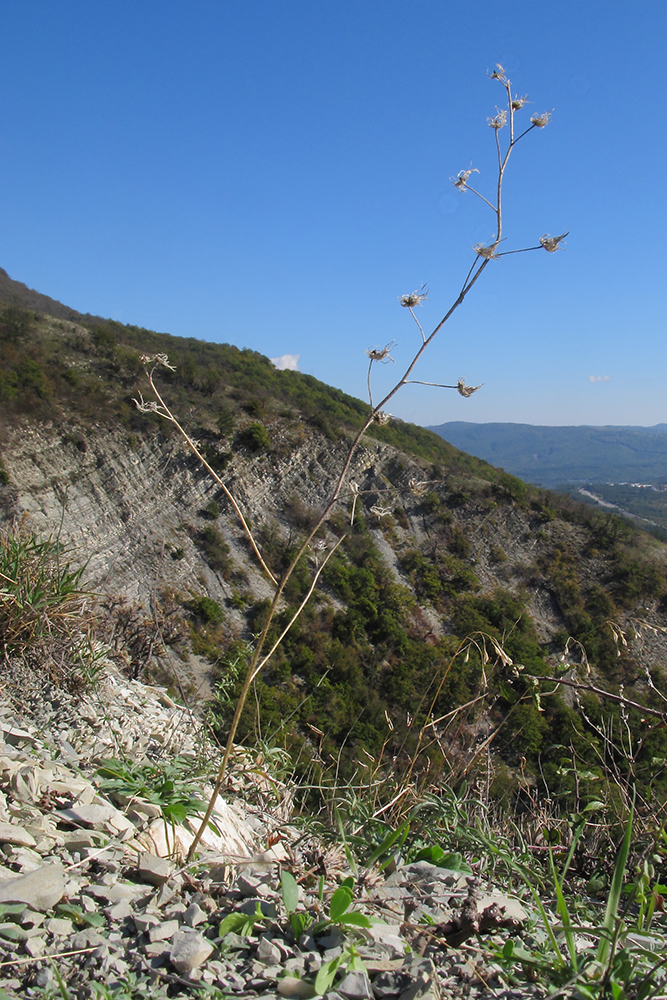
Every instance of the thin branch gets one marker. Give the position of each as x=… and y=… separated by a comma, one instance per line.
x=255, y=668
x=165, y=412
x=418, y=324
x=486, y=200
x=621, y=699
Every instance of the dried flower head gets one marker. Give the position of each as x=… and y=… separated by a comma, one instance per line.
x=319, y=545
x=518, y=102
x=158, y=359
x=486, y=251
x=499, y=120
x=551, y=243
x=467, y=390
x=539, y=121
x=381, y=353
x=354, y=487
x=498, y=74
x=380, y=511
x=461, y=179
x=381, y=418
x=418, y=487
x=146, y=405
x=414, y=298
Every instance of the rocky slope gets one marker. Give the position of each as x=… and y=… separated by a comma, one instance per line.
x=94, y=888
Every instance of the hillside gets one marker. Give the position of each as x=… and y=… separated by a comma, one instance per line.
x=478, y=671
x=472, y=550
x=554, y=456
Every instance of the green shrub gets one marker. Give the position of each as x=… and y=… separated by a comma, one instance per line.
x=206, y=610
x=215, y=549
x=15, y=324
x=212, y=510
x=255, y=437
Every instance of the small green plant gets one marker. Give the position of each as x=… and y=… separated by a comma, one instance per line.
x=349, y=959
x=45, y=615
x=168, y=784
x=40, y=596
x=241, y=923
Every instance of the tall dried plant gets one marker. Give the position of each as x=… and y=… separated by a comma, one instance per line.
x=506, y=137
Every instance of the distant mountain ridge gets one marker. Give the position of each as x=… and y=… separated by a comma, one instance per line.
x=553, y=456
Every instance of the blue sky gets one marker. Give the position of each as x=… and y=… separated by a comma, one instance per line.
x=276, y=174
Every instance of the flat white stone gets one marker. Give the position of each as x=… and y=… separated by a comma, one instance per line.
x=16, y=835
x=41, y=889
x=189, y=951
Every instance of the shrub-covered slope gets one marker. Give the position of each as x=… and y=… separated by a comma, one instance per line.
x=461, y=588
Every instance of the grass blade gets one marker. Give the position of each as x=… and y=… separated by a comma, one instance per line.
x=615, y=890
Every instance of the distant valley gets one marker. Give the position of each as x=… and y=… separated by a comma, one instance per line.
x=621, y=469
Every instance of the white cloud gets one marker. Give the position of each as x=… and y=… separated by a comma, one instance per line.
x=599, y=378
x=287, y=362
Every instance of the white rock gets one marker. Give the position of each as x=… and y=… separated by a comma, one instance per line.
x=89, y=815
x=164, y=931
x=153, y=869
x=16, y=835
x=41, y=889
x=189, y=951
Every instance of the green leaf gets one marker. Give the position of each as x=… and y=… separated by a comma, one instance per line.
x=355, y=919
x=326, y=975
x=615, y=890
x=12, y=932
x=507, y=692
x=434, y=853
x=79, y=916
x=396, y=839
x=290, y=890
x=340, y=902
x=175, y=811
x=233, y=922
x=298, y=922
x=593, y=807
x=454, y=862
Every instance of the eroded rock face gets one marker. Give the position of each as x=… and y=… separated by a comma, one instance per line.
x=131, y=513
x=126, y=511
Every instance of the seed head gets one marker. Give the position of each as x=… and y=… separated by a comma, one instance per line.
x=551, y=243
x=467, y=390
x=541, y=120
x=461, y=179
x=418, y=487
x=499, y=120
x=498, y=74
x=381, y=353
x=518, y=102
x=157, y=359
x=488, y=252
x=380, y=511
x=414, y=298
x=381, y=418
